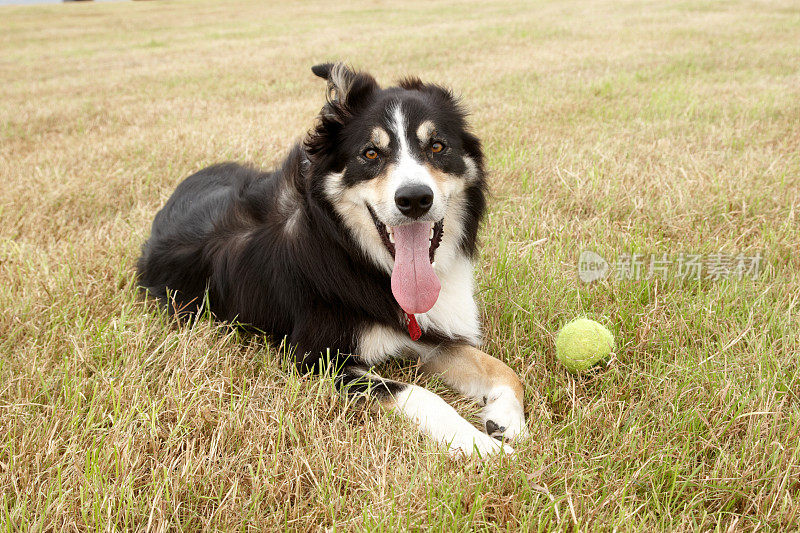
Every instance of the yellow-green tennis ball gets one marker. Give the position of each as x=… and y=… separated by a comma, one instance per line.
x=583, y=343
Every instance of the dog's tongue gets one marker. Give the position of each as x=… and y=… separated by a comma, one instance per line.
x=414, y=283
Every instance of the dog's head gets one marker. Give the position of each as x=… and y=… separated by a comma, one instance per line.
x=402, y=173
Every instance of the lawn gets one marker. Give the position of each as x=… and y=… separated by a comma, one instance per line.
x=651, y=128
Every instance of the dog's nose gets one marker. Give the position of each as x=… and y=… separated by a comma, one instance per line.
x=414, y=200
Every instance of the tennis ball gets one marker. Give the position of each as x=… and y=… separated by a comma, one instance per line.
x=583, y=343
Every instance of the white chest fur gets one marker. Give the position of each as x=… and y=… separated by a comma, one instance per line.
x=455, y=314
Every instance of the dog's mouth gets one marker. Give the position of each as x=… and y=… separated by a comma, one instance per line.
x=386, y=234
x=413, y=246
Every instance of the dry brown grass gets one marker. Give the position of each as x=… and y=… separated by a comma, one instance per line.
x=619, y=126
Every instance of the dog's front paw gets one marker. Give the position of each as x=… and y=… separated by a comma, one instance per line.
x=476, y=443
x=503, y=416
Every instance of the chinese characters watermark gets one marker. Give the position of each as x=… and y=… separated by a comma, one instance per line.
x=635, y=266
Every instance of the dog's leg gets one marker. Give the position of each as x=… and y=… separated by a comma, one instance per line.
x=489, y=381
x=434, y=417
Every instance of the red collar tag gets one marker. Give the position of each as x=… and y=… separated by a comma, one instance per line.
x=413, y=328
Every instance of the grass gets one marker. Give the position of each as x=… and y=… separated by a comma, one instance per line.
x=621, y=127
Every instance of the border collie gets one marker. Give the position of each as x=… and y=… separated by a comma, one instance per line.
x=359, y=248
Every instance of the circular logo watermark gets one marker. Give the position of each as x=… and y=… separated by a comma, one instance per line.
x=592, y=266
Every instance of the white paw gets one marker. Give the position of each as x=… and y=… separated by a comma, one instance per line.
x=503, y=415
x=475, y=442
x=440, y=421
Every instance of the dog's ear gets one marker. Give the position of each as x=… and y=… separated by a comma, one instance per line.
x=348, y=92
x=339, y=77
x=346, y=87
x=322, y=70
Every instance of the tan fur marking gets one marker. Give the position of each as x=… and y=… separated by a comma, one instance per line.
x=350, y=203
x=380, y=182
x=472, y=371
x=472, y=169
x=380, y=138
x=449, y=184
x=425, y=131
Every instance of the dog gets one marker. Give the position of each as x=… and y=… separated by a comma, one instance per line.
x=357, y=249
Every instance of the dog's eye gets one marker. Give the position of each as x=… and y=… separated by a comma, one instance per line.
x=437, y=147
x=371, y=153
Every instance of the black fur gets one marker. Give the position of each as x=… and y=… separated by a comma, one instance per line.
x=222, y=231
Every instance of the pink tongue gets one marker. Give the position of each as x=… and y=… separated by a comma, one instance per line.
x=414, y=283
